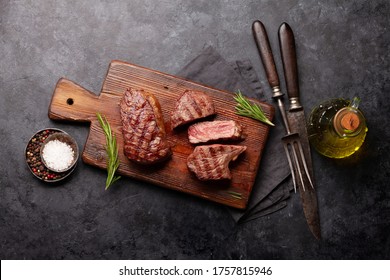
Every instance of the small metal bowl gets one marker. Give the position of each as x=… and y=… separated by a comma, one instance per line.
x=35, y=162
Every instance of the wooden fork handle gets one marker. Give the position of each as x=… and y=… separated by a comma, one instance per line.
x=263, y=45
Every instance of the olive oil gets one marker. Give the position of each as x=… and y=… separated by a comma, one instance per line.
x=337, y=128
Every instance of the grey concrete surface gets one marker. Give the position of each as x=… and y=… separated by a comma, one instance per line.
x=343, y=51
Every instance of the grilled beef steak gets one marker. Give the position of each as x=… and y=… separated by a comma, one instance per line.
x=143, y=127
x=211, y=162
x=191, y=105
x=215, y=130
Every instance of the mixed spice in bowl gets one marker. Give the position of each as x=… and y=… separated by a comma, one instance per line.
x=51, y=154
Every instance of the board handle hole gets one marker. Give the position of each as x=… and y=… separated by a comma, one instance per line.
x=70, y=101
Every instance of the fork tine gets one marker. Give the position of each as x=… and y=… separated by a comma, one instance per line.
x=298, y=167
x=305, y=164
x=291, y=166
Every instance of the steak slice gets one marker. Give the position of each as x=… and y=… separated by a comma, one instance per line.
x=215, y=130
x=190, y=106
x=211, y=162
x=143, y=127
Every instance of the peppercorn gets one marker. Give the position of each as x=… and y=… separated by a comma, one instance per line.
x=33, y=157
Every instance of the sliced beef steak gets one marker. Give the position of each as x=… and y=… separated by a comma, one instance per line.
x=191, y=105
x=203, y=132
x=211, y=162
x=143, y=127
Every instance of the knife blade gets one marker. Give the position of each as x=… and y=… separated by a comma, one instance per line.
x=297, y=120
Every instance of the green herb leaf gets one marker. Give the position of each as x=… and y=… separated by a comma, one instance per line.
x=235, y=195
x=112, y=151
x=250, y=110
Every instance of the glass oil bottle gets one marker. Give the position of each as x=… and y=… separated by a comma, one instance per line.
x=337, y=128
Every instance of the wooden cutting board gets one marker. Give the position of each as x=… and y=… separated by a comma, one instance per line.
x=71, y=102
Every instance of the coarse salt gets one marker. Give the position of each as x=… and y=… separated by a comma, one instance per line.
x=57, y=155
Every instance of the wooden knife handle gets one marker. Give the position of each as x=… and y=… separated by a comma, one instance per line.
x=263, y=45
x=72, y=102
x=289, y=59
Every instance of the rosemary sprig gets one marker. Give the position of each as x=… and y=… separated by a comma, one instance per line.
x=250, y=110
x=112, y=151
x=235, y=195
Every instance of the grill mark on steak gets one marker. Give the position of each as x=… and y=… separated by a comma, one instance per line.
x=215, y=167
x=143, y=128
x=208, y=165
x=192, y=110
x=211, y=162
x=190, y=106
x=194, y=107
x=202, y=102
x=188, y=114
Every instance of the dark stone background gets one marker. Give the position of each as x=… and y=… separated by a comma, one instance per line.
x=343, y=51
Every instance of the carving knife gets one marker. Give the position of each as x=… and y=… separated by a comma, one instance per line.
x=297, y=121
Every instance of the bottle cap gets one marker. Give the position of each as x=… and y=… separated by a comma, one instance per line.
x=350, y=121
x=347, y=122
